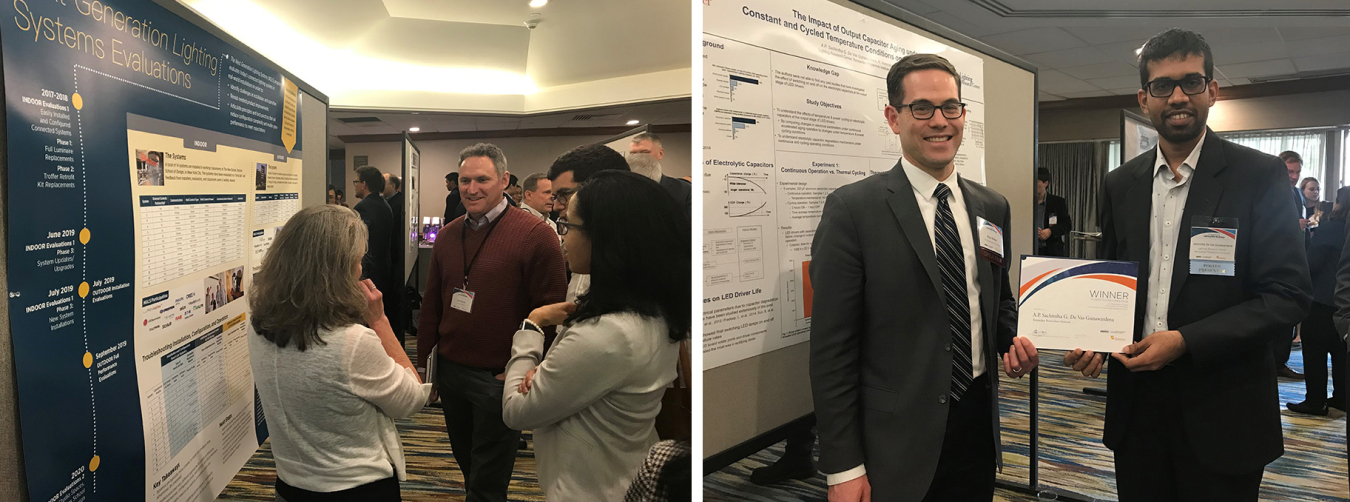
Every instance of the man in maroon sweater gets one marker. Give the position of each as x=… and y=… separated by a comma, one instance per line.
x=489, y=270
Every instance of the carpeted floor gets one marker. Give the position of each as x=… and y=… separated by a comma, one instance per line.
x=1072, y=458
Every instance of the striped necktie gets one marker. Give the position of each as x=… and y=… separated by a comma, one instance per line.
x=952, y=263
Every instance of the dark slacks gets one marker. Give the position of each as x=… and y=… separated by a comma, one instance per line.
x=965, y=469
x=1320, y=339
x=484, y=447
x=1155, y=461
x=1282, y=346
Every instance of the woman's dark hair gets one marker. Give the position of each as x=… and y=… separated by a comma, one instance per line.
x=1342, y=208
x=639, y=250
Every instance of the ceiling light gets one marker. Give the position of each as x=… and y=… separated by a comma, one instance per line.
x=633, y=122
x=414, y=129
x=538, y=3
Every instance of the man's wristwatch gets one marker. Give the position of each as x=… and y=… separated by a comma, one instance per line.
x=530, y=325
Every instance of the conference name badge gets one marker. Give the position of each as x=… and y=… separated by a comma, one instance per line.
x=991, y=241
x=462, y=301
x=1213, y=245
x=1054, y=219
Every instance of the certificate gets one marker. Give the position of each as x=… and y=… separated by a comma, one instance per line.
x=1066, y=304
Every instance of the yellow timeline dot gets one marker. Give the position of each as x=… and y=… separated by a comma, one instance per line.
x=93, y=464
x=88, y=359
x=84, y=289
x=84, y=236
x=77, y=101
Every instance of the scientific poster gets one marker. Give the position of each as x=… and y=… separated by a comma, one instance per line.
x=149, y=167
x=793, y=99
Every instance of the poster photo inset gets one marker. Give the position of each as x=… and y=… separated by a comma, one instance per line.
x=223, y=288
x=260, y=182
x=149, y=168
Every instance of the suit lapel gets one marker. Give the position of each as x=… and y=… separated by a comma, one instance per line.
x=984, y=270
x=1137, y=216
x=906, y=211
x=1201, y=200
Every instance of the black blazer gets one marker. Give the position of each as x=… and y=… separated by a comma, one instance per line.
x=1324, y=255
x=1056, y=244
x=453, y=208
x=881, y=363
x=398, y=236
x=1226, y=388
x=680, y=190
x=376, y=264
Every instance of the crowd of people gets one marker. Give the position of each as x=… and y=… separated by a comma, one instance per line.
x=562, y=310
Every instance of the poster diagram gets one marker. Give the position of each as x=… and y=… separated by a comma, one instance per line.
x=151, y=165
x=794, y=93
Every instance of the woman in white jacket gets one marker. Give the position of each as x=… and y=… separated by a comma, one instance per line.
x=329, y=372
x=593, y=401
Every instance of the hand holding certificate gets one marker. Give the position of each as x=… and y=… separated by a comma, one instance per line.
x=1067, y=304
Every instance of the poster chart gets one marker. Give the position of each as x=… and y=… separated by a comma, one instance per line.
x=149, y=166
x=793, y=98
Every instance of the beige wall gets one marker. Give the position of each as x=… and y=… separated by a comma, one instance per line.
x=1317, y=109
x=747, y=398
x=524, y=156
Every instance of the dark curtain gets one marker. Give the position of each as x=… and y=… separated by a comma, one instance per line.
x=1077, y=171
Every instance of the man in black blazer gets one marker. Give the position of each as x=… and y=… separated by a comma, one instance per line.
x=398, y=241
x=1053, y=222
x=680, y=190
x=912, y=304
x=1192, y=408
x=376, y=265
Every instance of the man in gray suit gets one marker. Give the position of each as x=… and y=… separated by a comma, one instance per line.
x=912, y=302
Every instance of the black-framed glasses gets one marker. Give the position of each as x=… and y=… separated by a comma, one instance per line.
x=563, y=225
x=923, y=110
x=563, y=193
x=1162, y=87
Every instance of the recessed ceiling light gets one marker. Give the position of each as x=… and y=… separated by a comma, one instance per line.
x=633, y=122
x=538, y=3
x=414, y=129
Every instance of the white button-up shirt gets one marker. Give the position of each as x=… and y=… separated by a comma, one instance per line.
x=477, y=223
x=1169, y=201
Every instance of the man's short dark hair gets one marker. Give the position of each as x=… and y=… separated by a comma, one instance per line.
x=895, y=91
x=531, y=183
x=452, y=177
x=586, y=160
x=373, y=178
x=1042, y=174
x=396, y=182
x=514, y=181
x=1291, y=156
x=1174, y=43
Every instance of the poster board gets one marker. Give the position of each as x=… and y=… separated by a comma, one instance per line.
x=150, y=160
x=412, y=208
x=1137, y=135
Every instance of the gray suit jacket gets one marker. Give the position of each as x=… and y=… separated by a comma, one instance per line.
x=880, y=353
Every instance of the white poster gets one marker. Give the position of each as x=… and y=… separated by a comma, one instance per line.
x=793, y=99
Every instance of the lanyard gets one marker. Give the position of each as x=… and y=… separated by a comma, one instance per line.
x=464, y=248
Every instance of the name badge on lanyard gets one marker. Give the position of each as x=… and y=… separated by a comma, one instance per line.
x=991, y=241
x=1213, y=246
x=462, y=301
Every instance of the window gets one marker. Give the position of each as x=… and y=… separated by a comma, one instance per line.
x=1311, y=145
x=1112, y=155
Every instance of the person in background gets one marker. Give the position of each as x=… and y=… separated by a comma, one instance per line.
x=537, y=198
x=567, y=173
x=514, y=191
x=379, y=220
x=489, y=269
x=645, y=153
x=332, y=195
x=329, y=373
x=1052, y=218
x=1313, y=207
x=1282, y=346
x=398, y=241
x=341, y=198
x=665, y=475
x=592, y=404
x=1320, y=337
x=798, y=460
x=453, y=207
x=1342, y=320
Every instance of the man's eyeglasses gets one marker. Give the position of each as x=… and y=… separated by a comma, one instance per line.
x=563, y=193
x=563, y=225
x=923, y=110
x=1162, y=87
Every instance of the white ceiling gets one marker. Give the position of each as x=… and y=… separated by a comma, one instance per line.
x=576, y=41
x=666, y=113
x=1086, y=49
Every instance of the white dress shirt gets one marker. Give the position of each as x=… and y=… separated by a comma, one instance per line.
x=477, y=223
x=1169, y=201
x=526, y=207
x=924, y=185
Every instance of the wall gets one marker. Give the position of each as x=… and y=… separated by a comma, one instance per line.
x=751, y=397
x=524, y=156
x=1270, y=112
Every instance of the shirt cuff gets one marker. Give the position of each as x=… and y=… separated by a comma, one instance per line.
x=849, y=475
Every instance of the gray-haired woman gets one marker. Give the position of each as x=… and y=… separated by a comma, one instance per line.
x=331, y=376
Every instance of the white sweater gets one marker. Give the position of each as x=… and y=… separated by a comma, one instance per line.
x=593, y=402
x=331, y=409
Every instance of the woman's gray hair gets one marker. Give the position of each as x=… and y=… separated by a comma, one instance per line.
x=308, y=280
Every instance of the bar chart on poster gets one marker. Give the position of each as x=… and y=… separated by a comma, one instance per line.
x=151, y=164
x=794, y=93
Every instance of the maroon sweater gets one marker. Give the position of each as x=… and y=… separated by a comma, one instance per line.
x=519, y=268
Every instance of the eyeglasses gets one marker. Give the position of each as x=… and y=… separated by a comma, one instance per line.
x=563, y=193
x=923, y=110
x=1162, y=87
x=563, y=225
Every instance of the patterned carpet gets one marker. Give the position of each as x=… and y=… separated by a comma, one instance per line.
x=1072, y=459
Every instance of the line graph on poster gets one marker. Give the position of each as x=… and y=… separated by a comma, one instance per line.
x=747, y=195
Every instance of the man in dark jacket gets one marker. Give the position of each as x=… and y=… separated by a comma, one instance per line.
x=398, y=242
x=379, y=219
x=1052, y=218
